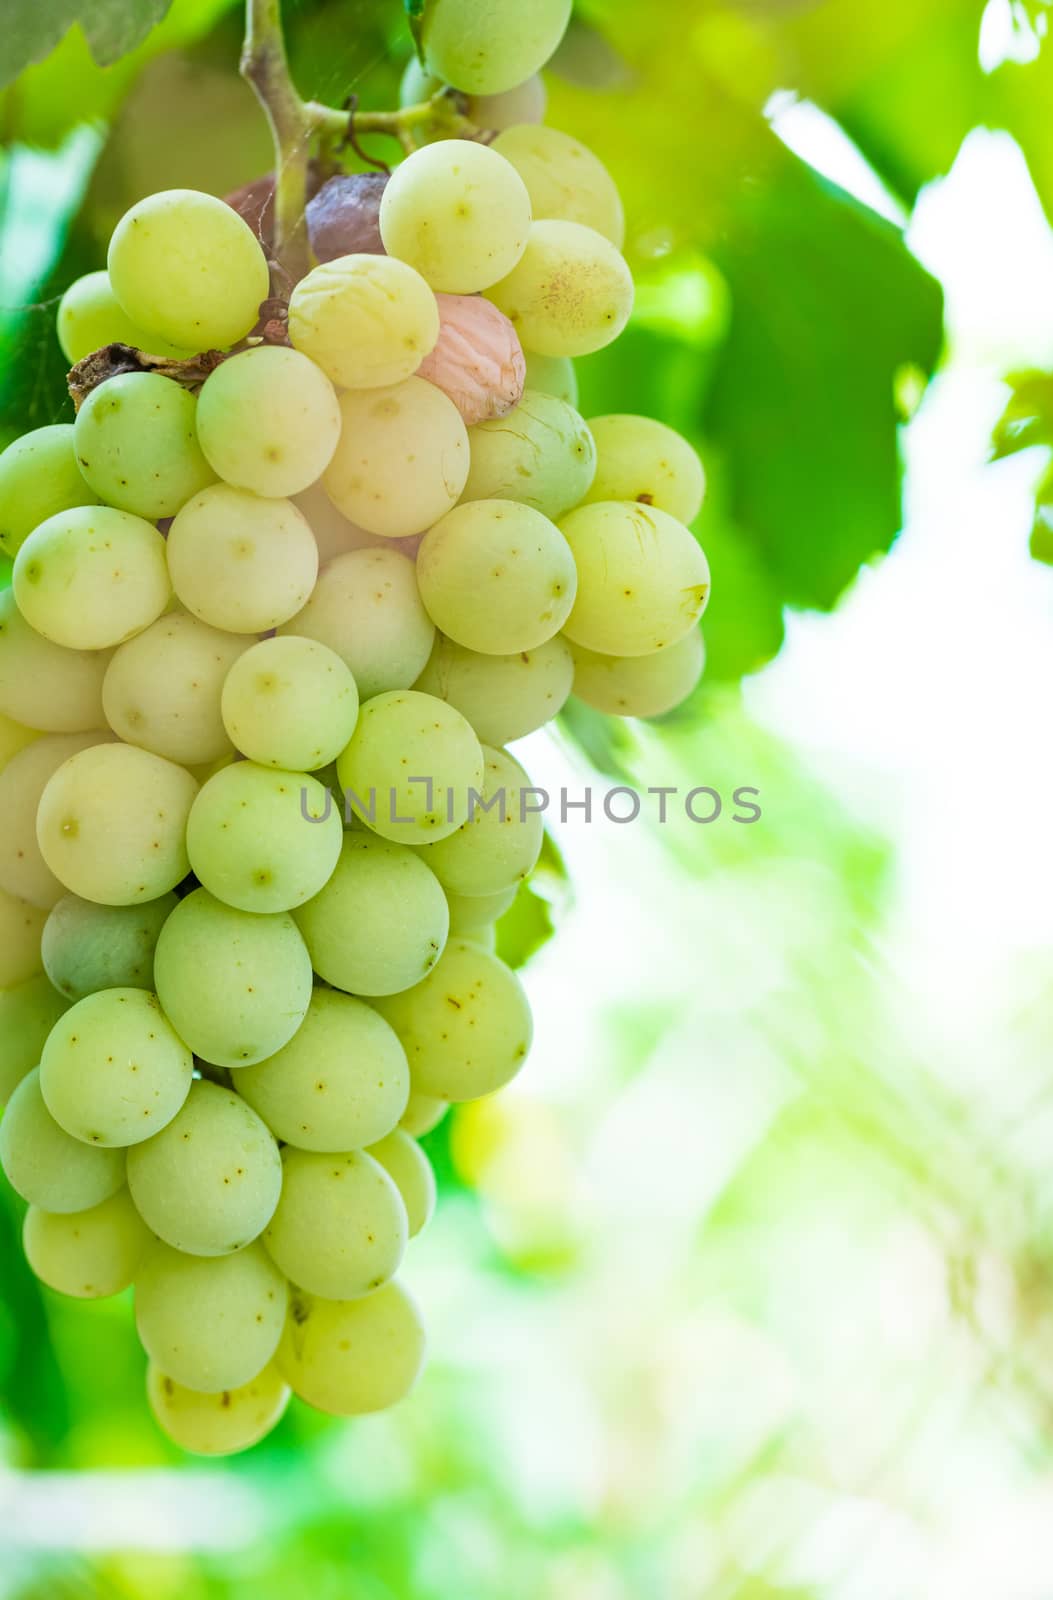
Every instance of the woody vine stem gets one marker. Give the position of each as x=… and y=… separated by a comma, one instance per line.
x=294, y=122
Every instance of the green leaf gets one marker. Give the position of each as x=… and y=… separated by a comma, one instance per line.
x=534, y=915
x=33, y=28
x=1028, y=417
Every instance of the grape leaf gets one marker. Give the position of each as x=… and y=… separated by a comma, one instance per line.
x=32, y=29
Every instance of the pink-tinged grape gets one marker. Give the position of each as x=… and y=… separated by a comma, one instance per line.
x=343, y=218
x=478, y=361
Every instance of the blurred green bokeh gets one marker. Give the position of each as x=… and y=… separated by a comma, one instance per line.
x=744, y=1290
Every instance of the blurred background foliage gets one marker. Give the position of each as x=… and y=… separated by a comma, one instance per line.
x=744, y=1291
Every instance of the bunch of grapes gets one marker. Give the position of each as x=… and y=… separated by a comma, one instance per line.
x=267, y=639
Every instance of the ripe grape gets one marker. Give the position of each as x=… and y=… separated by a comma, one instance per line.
x=235, y=985
x=340, y=1084
x=478, y=361
x=91, y=317
x=262, y=839
x=469, y=913
x=458, y=213
x=111, y=824
x=348, y=1357
x=290, y=702
x=88, y=1254
x=184, y=265
x=113, y=1070
x=486, y=50
x=92, y=577
x=541, y=454
x=209, y=1181
x=366, y=606
x=526, y=102
x=466, y=1029
x=571, y=292
x=28, y=1012
x=162, y=689
x=498, y=847
x=639, y=686
x=211, y=1324
x=23, y=870
x=643, y=581
x=504, y=697
x=340, y=1228
x=21, y=926
x=552, y=375
x=485, y=938
x=88, y=947
x=217, y=1424
x=380, y=923
x=402, y=459
x=406, y=1164
x=333, y=534
x=39, y=477
x=641, y=459
x=268, y=421
x=409, y=767
x=239, y=562
x=136, y=444
x=564, y=179
x=422, y=1114
x=497, y=576
x=13, y=736
x=44, y=686
x=46, y=1165
x=343, y=218
x=367, y=320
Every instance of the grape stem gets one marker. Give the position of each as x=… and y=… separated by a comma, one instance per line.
x=295, y=122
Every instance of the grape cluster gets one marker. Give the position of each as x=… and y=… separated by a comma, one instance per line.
x=266, y=642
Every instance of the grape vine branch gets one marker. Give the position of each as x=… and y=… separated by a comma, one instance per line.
x=294, y=122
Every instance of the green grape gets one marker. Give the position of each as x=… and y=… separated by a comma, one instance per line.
x=208, y=1183
x=163, y=688
x=112, y=823
x=485, y=938
x=137, y=446
x=409, y=1168
x=541, y=455
x=340, y=1228
x=21, y=927
x=499, y=845
x=23, y=870
x=340, y=1084
x=217, y=1424
x=553, y=375
x=564, y=179
x=46, y=1165
x=263, y=840
x=488, y=48
x=525, y=102
x=469, y=913
x=241, y=563
x=185, y=265
x=410, y=766
x=333, y=534
x=571, y=292
x=90, y=317
x=368, y=321
x=113, y=1070
x=503, y=697
x=290, y=702
x=417, y=84
x=210, y=1324
x=268, y=421
x=39, y=477
x=28, y=1012
x=458, y=213
x=641, y=459
x=348, y=1357
x=43, y=686
x=91, y=578
x=381, y=921
x=643, y=581
x=13, y=736
x=497, y=577
x=422, y=1114
x=237, y=986
x=367, y=607
x=402, y=459
x=466, y=1029
x=87, y=947
x=88, y=1254
x=639, y=686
